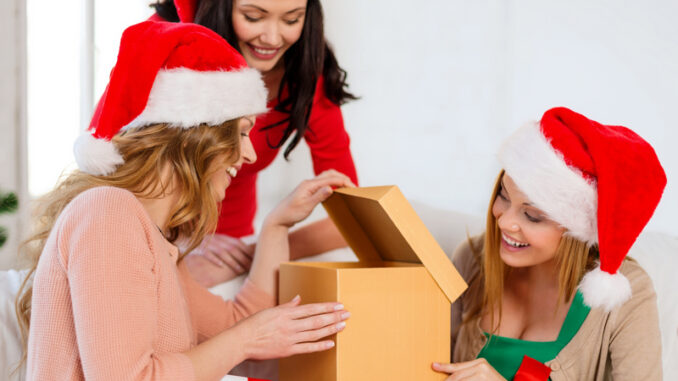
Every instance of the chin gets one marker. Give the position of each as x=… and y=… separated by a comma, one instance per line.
x=263, y=67
x=219, y=196
x=515, y=259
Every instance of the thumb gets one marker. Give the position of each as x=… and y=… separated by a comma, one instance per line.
x=322, y=194
x=292, y=303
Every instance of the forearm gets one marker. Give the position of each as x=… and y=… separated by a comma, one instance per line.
x=272, y=249
x=214, y=358
x=315, y=238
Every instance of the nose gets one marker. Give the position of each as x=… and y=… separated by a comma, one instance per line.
x=507, y=220
x=247, y=153
x=271, y=34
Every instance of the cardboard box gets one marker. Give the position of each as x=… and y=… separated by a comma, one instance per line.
x=399, y=294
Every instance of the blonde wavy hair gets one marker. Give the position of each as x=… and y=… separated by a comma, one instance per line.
x=574, y=259
x=148, y=152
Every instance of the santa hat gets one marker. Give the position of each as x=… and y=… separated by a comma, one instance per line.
x=186, y=9
x=180, y=74
x=602, y=183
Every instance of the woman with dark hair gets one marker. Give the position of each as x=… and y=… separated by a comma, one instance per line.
x=284, y=40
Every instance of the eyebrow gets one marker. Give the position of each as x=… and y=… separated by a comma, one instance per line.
x=265, y=11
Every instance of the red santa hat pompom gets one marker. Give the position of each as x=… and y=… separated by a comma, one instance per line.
x=180, y=74
x=602, y=183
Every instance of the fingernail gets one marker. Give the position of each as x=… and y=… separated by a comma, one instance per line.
x=296, y=298
x=339, y=307
x=341, y=325
x=345, y=315
x=329, y=344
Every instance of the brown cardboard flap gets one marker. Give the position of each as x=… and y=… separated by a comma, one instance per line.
x=380, y=224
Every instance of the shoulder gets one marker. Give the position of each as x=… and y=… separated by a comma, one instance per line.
x=104, y=199
x=320, y=99
x=106, y=207
x=641, y=283
x=101, y=220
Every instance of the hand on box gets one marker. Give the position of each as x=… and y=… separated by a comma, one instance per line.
x=478, y=369
x=300, y=203
x=290, y=329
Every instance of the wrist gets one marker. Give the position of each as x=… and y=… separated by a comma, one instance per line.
x=272, y=222
x=244, y=338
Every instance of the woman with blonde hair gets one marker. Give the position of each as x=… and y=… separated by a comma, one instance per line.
x=551, y=293
x=109, y=296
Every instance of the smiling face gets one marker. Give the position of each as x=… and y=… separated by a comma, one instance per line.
x=528, y=237
x=224, y=172
x=266, y=29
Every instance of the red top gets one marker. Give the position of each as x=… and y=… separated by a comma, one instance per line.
x=329, y=145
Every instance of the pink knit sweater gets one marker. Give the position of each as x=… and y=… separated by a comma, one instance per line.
x=110, y=301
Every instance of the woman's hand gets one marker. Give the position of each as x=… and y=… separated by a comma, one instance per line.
x=478, y=369
x=218, y=259
x=290, y=329
x=226, y=251
x=298, y=205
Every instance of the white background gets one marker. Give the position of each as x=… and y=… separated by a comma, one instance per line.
x=442, y=82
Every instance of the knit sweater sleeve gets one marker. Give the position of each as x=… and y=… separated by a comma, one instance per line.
x=111, y=270
x=327, y=138
x=211, y=314
x=635, y=343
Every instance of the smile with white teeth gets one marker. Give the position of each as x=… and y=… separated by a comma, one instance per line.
x=512, y=242
x=264, y=51
x=232, y=171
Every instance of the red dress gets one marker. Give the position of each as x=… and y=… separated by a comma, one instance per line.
x=329, y=145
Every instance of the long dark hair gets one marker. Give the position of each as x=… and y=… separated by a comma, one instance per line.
x=305, y=61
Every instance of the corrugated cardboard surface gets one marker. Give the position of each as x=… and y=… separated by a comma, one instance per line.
x=399, y=294
x=380, y=224
x=399, y=325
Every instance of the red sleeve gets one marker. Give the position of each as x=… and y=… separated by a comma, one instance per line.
x=327, y=138
x=211, y=314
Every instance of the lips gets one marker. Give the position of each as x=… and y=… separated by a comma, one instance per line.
x=263, y=53
x=512, y=242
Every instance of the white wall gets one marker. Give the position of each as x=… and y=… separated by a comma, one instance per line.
x=12, y=121
x=443, y=82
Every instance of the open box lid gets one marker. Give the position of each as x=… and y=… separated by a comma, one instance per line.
x=379, y=224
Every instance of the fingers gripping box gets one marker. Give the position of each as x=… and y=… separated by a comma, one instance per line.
x=399, y=293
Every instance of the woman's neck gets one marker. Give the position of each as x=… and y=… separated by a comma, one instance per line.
x=273, y=78
x=543, y=276
x=160, y=207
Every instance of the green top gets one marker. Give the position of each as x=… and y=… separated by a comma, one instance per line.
x=505, y=354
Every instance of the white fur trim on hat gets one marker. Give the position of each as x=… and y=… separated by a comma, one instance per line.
x=96, y=156
x=560, y=191
x=185, y=98
x=602, y=289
